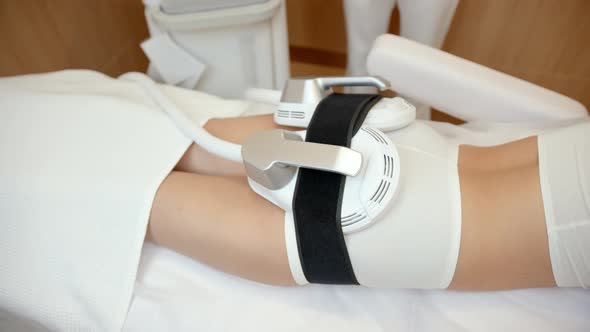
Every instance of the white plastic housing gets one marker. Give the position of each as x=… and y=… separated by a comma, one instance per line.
x=367, y=195
x=390, y=114
x=386, y=115
x=463, y=88
x=242, y=44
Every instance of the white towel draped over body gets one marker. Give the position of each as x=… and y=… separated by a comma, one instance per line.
x=81, y=158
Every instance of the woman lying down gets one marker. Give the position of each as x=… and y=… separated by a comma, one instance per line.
x=90, y=168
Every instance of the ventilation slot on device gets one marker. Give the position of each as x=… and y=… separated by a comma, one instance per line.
x=381, y=191
x=290, y=114
x=388, y=166
x=352, y=219
x=297, y=115
x=378, y=137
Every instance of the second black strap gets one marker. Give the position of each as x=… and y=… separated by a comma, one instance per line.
x=318, y=194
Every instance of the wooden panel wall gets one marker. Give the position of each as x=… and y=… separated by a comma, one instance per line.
x=47, y=35
x=317, y=24
x=543, y=41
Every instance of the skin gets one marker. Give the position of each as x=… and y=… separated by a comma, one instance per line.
x=503, y=241
x=504, y=238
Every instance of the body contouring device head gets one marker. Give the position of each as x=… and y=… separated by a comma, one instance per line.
x=371, y=163
x=272, y=160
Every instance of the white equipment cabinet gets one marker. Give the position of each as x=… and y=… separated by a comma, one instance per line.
x=221, y=47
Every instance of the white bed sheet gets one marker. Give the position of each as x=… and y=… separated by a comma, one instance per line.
x=176, y=293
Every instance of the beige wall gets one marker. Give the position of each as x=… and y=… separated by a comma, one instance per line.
x=543, y=41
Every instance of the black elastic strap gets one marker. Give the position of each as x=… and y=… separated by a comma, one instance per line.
x=318, y=194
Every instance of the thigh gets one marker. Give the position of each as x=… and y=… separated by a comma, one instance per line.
x=221, y=222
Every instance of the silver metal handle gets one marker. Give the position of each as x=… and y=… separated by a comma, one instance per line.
x=376, y=81
x=325, y=157
x=312, y=90
x=271, y=157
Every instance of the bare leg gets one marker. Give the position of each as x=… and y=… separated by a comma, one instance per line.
x=221, y=222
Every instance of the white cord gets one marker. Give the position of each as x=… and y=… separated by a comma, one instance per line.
x=199, y=135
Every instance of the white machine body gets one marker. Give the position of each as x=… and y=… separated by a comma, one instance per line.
x=391, y=239
x=366, y=195
x=388, y=114
x=414, y=241
x=272, y=160
x=222, y=47
x=301, y=96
